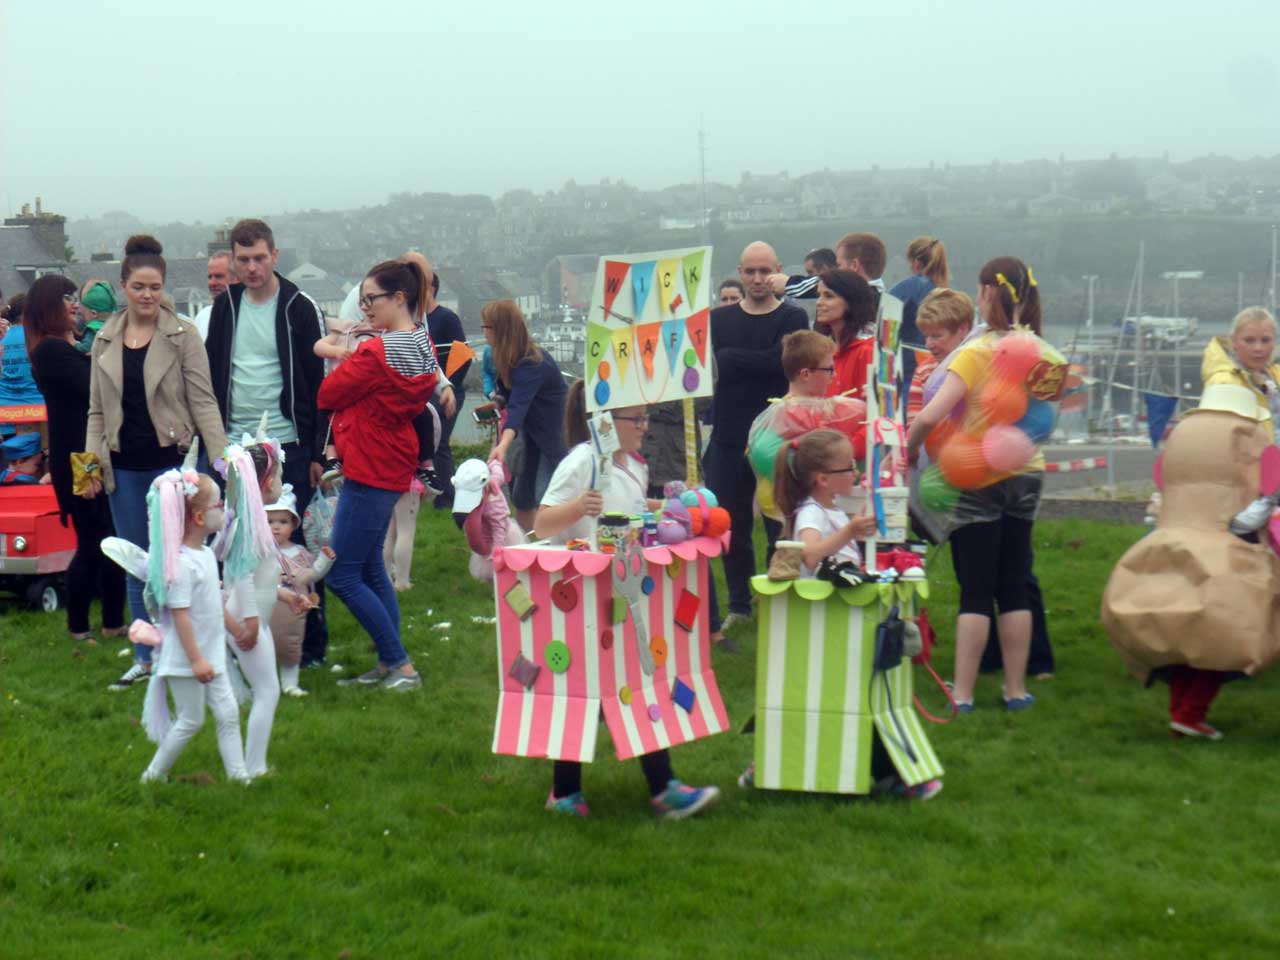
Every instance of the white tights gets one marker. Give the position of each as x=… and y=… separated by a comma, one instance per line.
x=191, y=696
x=397, y=550
x=259, y=668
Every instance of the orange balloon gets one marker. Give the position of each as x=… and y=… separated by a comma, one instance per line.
x=1002, y=401
x=940, y=434
x=962, y=463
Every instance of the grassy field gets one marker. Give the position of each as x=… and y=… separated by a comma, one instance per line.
x=1077, y=829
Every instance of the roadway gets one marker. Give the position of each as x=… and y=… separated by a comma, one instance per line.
x=1132, y=462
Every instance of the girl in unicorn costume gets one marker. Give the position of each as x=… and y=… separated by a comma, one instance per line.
x=251, y=576
x=299, y=570
x=181, y=591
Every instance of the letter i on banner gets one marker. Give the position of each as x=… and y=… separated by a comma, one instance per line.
x=641, y=284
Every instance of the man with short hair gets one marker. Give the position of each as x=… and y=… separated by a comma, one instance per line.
x=746, y=338
x=865, y=255
x=261, y=345
x=221, y=274
x=804, y=287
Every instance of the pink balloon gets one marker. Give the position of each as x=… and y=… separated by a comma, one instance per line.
x=1270, y=468
x=1006, y=448
x=1157, y=472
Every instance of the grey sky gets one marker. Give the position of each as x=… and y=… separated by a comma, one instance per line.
x=199, y=111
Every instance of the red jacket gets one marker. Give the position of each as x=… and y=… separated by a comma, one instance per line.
x=373, y=409
x=851, y=376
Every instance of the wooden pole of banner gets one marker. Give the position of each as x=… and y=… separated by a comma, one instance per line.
x=690, y=443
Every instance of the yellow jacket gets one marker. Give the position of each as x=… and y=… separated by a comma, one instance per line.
x=1218, y=366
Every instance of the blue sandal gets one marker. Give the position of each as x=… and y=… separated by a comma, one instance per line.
x=1019, y=703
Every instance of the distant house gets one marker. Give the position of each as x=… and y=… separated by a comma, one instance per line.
x=186, y=281
x=569, y=279
x=473, y=291
x=316, y=283
x=524, y=291
x=31, y=245
x=1054, y=204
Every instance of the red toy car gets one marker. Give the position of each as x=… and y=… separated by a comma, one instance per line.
x=35, y=548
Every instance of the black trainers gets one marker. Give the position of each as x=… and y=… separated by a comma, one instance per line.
x=843, y=573
x=428, y=477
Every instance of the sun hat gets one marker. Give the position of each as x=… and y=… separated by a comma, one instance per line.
x=468, y=485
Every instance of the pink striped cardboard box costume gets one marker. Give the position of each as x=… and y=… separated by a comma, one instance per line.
x=588, y=665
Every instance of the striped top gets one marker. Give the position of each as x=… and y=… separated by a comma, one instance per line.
x=410, y=353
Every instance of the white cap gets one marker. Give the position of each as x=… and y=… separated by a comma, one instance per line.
x=468, y=485
x=287, y=502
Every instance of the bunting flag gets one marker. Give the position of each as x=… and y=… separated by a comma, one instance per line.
x=623, y=347
x=672, y=334
x=693, y=264
x=697, y=327
x=459, y=354
x=615, y=272
x=647, y=336
x=641, y=284
x=599, y=337
x=668, y=283
x=1159, y=411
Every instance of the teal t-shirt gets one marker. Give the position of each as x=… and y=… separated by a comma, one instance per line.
x=256, y=381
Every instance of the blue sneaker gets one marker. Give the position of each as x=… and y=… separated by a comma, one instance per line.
x=575, y=804
x=680, y=800
x=1019, y=703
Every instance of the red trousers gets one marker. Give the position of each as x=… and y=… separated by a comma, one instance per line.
x=1191, y=692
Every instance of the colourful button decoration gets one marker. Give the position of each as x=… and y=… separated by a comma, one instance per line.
x=556, y=655
x=602, y=393
x=691, y=379
x=658, y=647
x=647, y=585
x=606, y=640
x=675, y=568
x=655, y=713
x=564, y=595
x=625, y=695
x=690, y=358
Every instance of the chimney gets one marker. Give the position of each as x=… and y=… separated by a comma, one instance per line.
x=49, y=229
x=219, y=242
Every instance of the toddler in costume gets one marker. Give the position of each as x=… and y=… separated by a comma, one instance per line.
x=251, y=574
x=182, y=589
x=298, y=571
x=566, y=512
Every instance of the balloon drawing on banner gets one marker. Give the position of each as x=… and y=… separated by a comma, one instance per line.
x=647, y=308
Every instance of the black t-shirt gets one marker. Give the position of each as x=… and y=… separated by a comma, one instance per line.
x=748, y=350
x=62, y=374
x=139, y=448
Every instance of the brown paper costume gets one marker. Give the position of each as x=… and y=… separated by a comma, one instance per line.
x=1190, y=592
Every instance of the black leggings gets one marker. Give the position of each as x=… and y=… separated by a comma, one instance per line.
x=91, y=574
x=991, y=562
x=567, y=776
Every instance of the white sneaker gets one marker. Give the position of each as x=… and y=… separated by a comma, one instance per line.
x=294, y=692
x=149, y=776
x=134, y=675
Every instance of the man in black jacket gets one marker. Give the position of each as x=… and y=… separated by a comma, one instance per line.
x=261, y=345
x=747, y=340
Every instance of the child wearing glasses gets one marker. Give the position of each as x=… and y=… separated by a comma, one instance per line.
x=809, y=474
x=565, y=514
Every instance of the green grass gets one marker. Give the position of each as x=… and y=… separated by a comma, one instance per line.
x=1078, y=829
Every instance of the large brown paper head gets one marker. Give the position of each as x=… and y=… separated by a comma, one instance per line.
x=1211, y=470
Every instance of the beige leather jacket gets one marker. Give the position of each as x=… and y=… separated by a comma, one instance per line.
x=176, y=377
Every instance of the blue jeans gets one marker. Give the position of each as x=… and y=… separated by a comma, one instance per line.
x=129, y=514
x=359, y=577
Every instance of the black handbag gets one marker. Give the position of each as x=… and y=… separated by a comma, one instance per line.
x=889, y=635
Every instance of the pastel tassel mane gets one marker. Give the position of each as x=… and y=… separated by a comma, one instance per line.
x=249, y=537
x=166, y=522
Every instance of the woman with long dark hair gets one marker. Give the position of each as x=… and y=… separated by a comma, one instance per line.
x=846, y=313
x=374, y=396
x=63, y=373
x=534, y=390
x=149, y=396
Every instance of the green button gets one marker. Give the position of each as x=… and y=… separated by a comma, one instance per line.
x=690, y=358
x=556, y=655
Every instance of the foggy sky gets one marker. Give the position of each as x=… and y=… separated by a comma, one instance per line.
x=201, y=111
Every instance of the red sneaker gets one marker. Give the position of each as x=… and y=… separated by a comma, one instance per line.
x=1194, y=730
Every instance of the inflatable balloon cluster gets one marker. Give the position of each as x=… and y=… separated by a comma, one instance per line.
x=690, y=513
x=786, y=420
x=998, y=428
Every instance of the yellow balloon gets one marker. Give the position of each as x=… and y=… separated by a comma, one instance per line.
x=764, y=496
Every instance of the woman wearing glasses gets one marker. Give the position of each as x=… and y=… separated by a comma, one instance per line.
x=149, y=396
x=62, y=373
x=533, y=390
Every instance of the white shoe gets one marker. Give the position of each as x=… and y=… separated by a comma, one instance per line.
x=149, y=776
x=135, y=675
x=294, y=692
